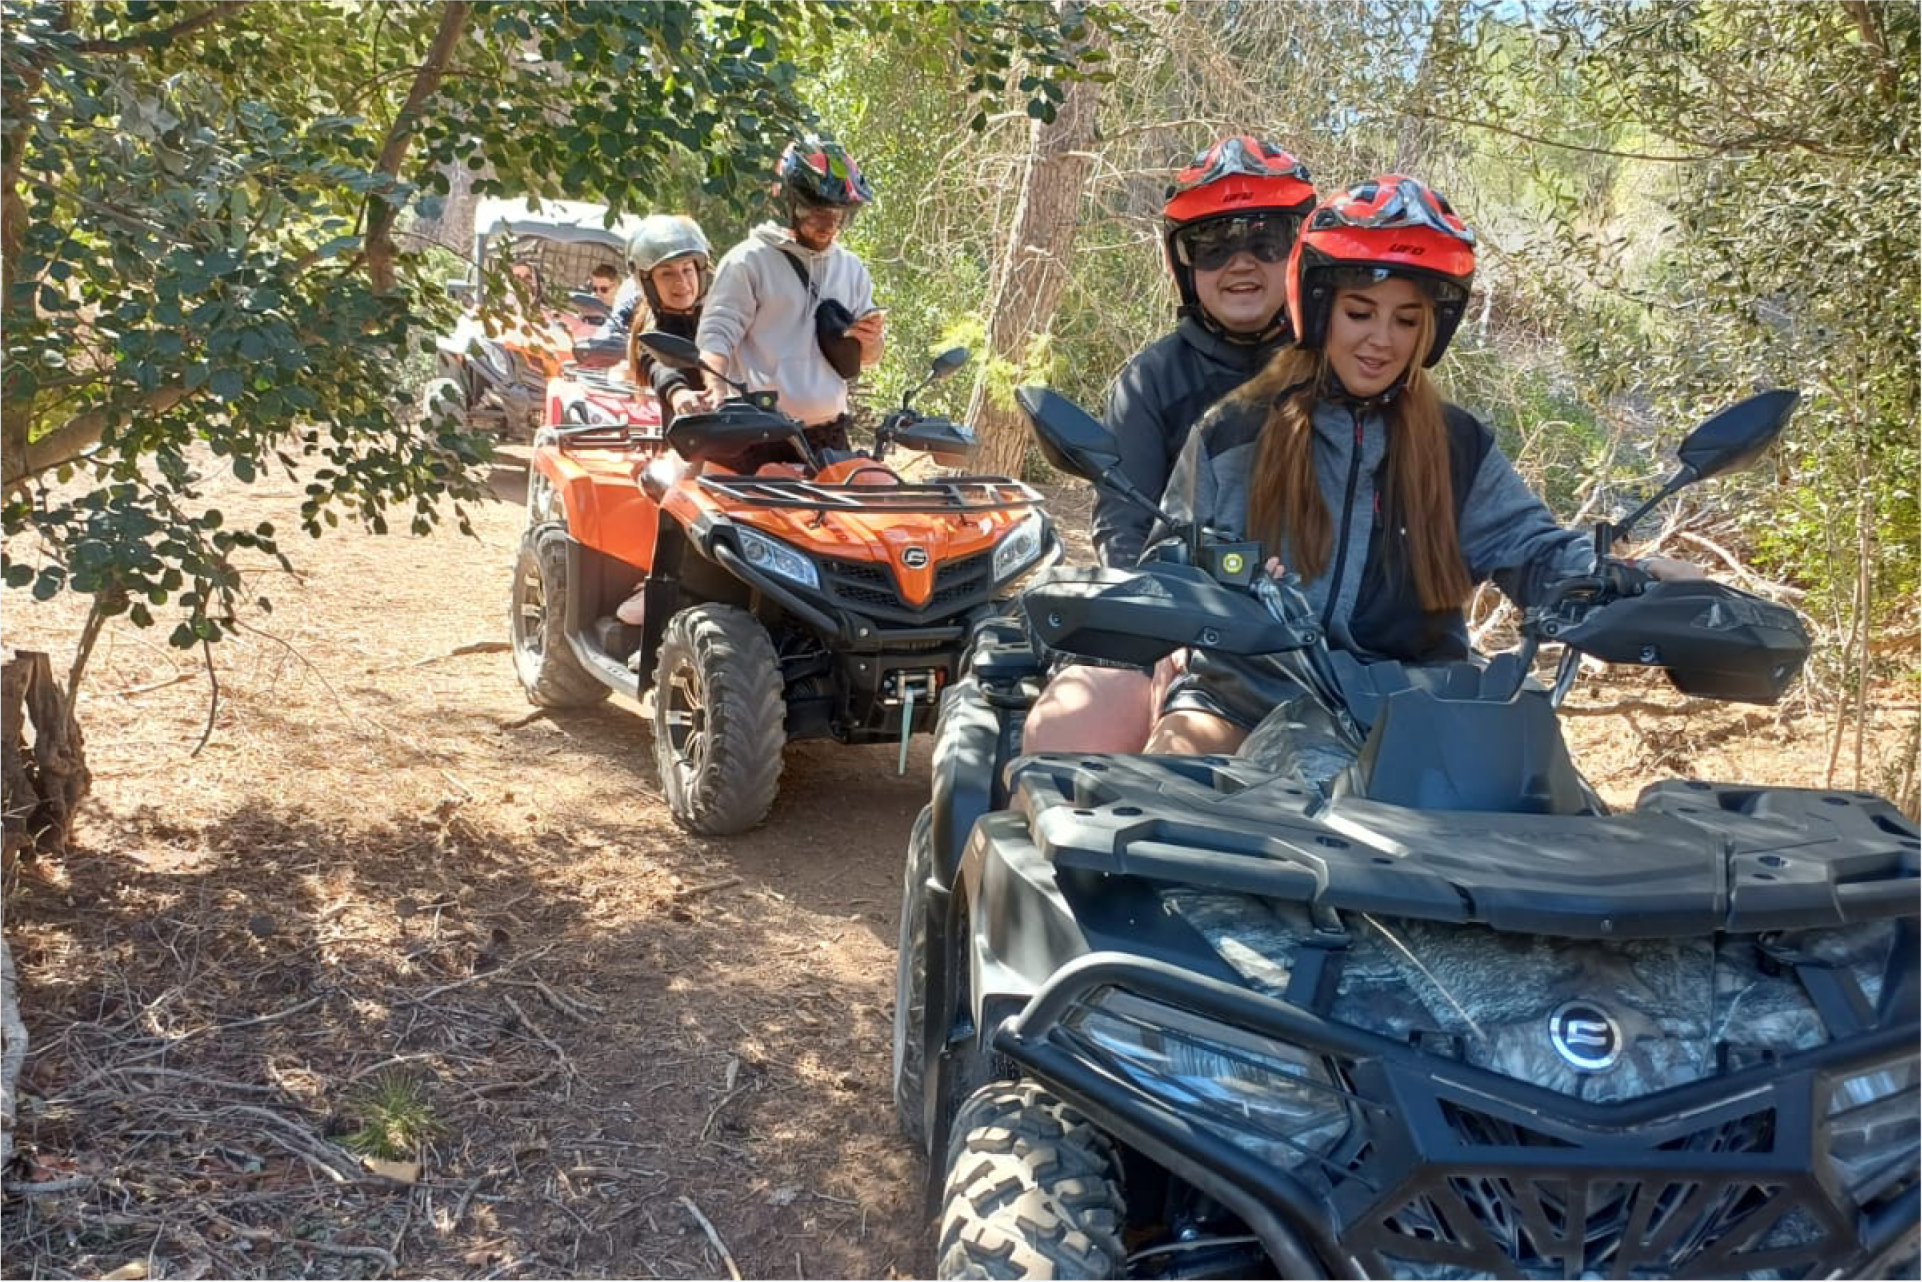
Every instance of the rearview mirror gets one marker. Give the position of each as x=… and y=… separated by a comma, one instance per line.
x=590, y=305
x=1738, y=435
x=1071, y=440
x=670, y=350
x=1733, y=439
x=948, y=362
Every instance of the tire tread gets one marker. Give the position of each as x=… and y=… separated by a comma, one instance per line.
x=746, y=713
x=1033, y=1191
x=554, y=678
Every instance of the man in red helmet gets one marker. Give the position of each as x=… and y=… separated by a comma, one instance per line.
x=790, y=308
x=1228, y=224
x=1230, y=220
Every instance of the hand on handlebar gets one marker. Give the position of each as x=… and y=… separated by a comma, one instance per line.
x=698, y=400
x=1669, y=570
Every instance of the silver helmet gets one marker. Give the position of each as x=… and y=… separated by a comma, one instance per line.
x=661, y=239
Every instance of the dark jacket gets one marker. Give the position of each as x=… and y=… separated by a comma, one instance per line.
x=665, y=380
x=1161, y=393
x=1364, y=599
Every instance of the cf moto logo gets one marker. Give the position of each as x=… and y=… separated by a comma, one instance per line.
x=1586, y=1036
x=914, y=558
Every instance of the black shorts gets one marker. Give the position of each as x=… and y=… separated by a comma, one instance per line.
x=831, y=435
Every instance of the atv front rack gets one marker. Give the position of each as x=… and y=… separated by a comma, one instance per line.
x=949, y=494
x=1691, y=858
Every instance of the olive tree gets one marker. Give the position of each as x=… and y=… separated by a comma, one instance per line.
x=204, y=255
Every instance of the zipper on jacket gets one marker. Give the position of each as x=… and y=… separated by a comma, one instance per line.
x=1347, y=514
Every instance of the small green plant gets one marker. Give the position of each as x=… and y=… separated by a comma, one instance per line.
x=396, y=1119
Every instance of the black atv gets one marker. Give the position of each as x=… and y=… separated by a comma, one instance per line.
x=1439, y=1013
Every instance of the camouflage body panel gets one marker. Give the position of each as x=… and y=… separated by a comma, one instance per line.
x=1674, y=1000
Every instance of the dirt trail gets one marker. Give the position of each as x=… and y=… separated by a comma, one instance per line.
x=381, y=869
x=375, y=795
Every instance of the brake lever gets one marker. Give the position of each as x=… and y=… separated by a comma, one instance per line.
x=1286, y=603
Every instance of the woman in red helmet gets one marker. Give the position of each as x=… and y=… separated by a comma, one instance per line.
x=1228, y=224
x=1344, y=461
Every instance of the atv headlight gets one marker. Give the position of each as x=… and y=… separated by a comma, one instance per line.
x=777, y=558
x=1275, y=1100
x=1020, y=547
x=1872, y=1128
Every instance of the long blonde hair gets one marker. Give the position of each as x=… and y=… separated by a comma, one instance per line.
x=642, y=321
x=1284, y=501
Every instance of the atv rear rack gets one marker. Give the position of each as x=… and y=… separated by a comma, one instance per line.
x=949, y=494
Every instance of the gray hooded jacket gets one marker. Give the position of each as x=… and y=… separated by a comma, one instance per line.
x=1363, y=597
x=761, y=318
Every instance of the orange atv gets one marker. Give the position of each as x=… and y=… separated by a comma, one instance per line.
x=824, y=597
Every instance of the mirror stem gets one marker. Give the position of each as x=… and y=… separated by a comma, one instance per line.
x=1608, y=532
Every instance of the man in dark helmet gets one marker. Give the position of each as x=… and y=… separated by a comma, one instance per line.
x=791, y=308
x=1229, y=222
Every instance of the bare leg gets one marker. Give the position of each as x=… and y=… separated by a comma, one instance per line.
x=1087, y=709
x=1195, y=734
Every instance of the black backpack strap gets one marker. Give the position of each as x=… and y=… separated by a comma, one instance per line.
x=800, y=272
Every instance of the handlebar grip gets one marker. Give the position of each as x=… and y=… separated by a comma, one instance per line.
x=1624, y=578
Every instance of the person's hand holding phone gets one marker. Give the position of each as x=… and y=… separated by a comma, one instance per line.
x=868, y=332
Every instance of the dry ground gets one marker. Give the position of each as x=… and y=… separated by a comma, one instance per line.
x=380, y=869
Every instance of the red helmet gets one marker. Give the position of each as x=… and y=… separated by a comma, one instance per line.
x=1390, y=225
x=1240, y=177
x=1236, y=175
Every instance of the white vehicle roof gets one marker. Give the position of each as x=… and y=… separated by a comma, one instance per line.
x=563, y=220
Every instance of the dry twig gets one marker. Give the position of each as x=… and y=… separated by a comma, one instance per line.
x=712, y=1236
x=542, y=1037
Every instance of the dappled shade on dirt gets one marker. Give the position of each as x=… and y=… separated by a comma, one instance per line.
x=384, y=866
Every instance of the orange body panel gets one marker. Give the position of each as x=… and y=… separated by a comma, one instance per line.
x=894, y=539
x=602, y=497
x=608, y=511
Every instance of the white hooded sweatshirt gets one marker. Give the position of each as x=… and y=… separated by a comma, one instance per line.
x=761, y=318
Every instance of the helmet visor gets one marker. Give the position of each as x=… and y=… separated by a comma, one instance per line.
x=805, y=209
x=1210, y=246
x=1441, y=291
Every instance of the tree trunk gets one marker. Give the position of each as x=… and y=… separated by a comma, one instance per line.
x=43, y=786
x=427, y=78
x=1033, y=268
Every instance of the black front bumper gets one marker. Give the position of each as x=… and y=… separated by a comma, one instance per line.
x=1467, y=1172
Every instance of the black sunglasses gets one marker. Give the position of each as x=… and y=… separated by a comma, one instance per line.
x=1212, y=245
